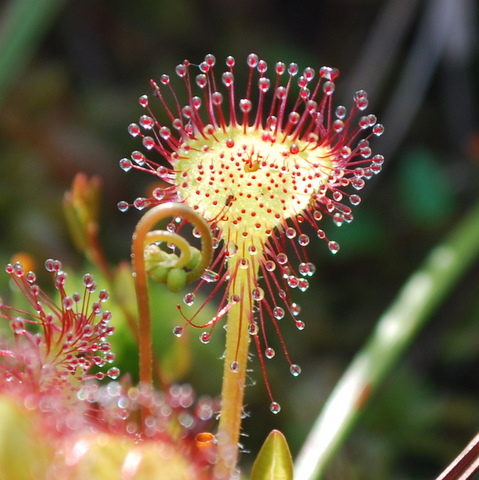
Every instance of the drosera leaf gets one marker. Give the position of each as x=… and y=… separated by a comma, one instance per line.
x=274, y=461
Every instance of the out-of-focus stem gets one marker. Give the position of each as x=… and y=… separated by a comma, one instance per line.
x=465, y=465
x=395, y=330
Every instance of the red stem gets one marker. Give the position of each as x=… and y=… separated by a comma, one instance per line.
x=142, y=237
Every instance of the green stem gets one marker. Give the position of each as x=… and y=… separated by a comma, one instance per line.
x=396, y=329
x=234, y=376
x=23, y=24
x=141, y=238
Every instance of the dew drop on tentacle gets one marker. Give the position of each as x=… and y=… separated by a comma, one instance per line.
x=134, y=129
x=67, y=303
x=140, y=203
x=52, y=265
x=196, y=232
x=60, y=278
x=378, y=129
x=338, y=125
x=210, y=276
x=178, y=331
x=146, y=122
x=125, y=164
x=355, y=199
x=341, y=111
x=235, y=299
x=18, y=326
x=295, y=370
x=228, y=79
x=328, y=88
x=110, y=357
x=231, y=249
x=252, y=60
x=205, y=337
x=158, y=193
x=338, y=219
x=35, y=291
x=270, y=266
x=189, y=299
x=333, y=247
x=361, y=99
x=30, y=277
x=269, y=353
x=264, y=84
x=257, y=294
x=123, y=206
x=103, y=295
x=303, y=240
x=303, y=284
x=148, y=143
x=253, y=329
x=243, y=263
x=304, y=269
x=290, y=232
x=275, y=407
x=113, y=372
x=138, y=158
x=295, y=309
x=300, y=324
x=292, y=281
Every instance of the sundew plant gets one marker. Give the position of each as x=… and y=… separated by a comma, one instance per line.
x=253, y=165
x=248, y=171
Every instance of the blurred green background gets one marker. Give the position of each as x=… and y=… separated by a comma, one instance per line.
x=70, y=76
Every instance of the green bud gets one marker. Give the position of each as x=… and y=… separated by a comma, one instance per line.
x=274, y=460
x=158, y=273
x=176, y=279
x=195, y=258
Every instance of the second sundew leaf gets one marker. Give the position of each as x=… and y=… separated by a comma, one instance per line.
x=274, y=460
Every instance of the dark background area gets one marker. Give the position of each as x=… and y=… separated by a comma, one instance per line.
x=67, y=109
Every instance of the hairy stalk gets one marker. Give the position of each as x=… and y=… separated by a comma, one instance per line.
x=234, y=376
x=143, y=237
x=394, y=332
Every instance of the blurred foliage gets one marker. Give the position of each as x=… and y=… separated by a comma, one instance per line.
x=68, y=109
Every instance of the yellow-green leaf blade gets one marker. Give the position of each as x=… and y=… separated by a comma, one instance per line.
x=274, y=460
